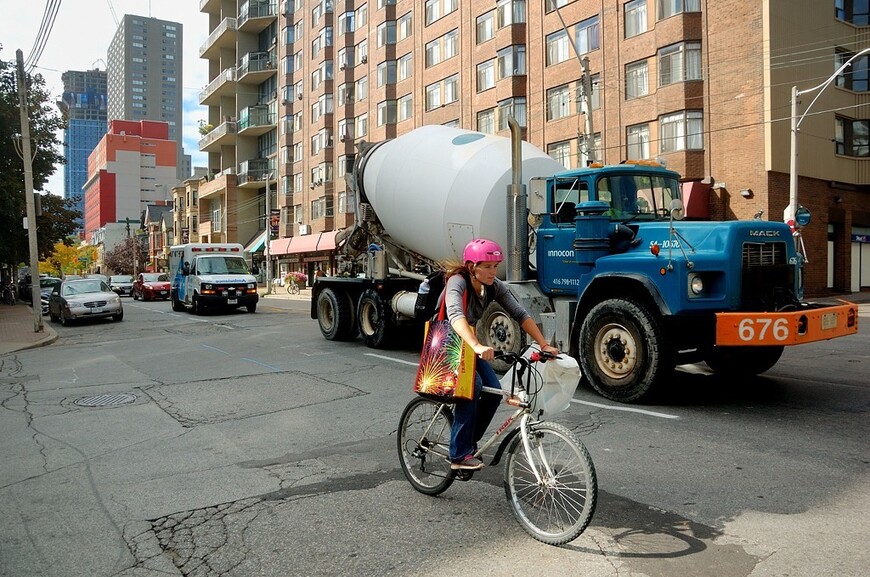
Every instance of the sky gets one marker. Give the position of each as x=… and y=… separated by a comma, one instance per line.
x=80, y=40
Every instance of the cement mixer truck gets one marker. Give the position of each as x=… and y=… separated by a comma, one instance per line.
x=599, y=255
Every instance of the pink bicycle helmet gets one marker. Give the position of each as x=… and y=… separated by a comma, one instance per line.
x=482, y=250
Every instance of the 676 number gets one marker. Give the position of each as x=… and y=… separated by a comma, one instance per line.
x=757, y=329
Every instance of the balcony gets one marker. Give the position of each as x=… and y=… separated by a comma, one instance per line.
x=255, y=67
x=224, y=36
x=252, y=173
x=218, y=185
x=223, y=85
x=255, y=15
x=209, y=6
x=256, y=120
x=220, y=136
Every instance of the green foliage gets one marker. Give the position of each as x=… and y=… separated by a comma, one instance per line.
x=45, y=121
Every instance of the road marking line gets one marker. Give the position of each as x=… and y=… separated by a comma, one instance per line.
x=215, y=349
x=392, y=359
x=626, y=409
x=590, y=403
x=256, y=362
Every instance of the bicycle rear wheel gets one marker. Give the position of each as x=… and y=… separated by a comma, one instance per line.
x=560, y=507
x=424, y=444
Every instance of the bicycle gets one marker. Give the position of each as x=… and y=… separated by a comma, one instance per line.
x=9, y=294
x=293, y=288
x=549, y=478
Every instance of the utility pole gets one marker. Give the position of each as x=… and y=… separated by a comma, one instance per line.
x=589, y=137
x=268, y=236
x=28, y=194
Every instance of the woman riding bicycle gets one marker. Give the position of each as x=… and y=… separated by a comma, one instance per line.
x=474, y=283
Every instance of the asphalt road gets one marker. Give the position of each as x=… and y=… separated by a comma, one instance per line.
x=241, y=445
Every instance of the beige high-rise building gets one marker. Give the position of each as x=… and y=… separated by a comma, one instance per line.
x=700, y=85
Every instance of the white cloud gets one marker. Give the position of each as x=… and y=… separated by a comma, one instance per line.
x=80, y=39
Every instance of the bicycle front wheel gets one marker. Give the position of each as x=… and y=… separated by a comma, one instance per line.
x=556, y=509
x=424, y=445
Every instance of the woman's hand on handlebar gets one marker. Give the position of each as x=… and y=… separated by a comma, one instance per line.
x=484, y=352
x=550, y=349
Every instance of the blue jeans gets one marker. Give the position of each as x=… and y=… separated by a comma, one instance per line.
x=471, y=418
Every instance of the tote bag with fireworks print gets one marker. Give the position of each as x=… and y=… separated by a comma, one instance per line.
x=447, y=363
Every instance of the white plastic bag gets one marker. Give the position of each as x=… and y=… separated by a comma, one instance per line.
x=557, y=381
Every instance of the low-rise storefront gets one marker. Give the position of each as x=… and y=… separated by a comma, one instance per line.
x=308, y=254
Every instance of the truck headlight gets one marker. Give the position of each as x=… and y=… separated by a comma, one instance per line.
x=250, y=286
x=696, y=283
x=207, y=287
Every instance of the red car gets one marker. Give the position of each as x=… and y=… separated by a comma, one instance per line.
x=150, y=286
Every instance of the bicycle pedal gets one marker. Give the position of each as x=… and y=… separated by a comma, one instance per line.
x=464, y=475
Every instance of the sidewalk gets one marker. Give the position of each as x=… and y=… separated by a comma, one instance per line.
x=16, y=329
x=281, y=293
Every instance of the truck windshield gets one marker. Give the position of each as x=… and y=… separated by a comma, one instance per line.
x=631, y=196
x=222, y=265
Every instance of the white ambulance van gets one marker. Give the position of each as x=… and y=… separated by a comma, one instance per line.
x=206, y=275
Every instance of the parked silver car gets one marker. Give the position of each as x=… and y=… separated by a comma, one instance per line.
x=83, y=298
x=121, y=284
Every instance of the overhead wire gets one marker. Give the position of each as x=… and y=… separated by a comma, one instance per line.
x=44, y=33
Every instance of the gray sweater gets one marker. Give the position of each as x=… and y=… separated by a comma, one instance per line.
x=476, y=303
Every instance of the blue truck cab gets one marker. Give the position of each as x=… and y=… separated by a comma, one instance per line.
x=649, y=290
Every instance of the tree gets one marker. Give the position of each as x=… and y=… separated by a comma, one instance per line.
x=56, y=225
x=45, y=121
x=120, y=259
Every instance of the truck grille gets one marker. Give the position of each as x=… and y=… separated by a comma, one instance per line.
x=768, y=278
x=763, y=254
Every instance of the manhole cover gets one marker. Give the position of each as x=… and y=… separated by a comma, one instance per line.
x=106, y=400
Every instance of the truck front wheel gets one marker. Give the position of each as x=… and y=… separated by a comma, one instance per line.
x=498, y=330
x=373, y=318
x=334, y=315
x=742, y=361
x=622, y=350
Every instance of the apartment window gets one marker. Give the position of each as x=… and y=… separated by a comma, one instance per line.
x=680, y=62
x=386, y=73
x=511, y=61
x=362, y=15
x=405, y=28
x=297, y=211
x=667, y=8
x=486, y=121
x=362, y=51
x=485, y=75
x=216, y=219
x=297, y=181
x=346, y=58
x=855, y=77
x=486, y=27
x=298, y=151
x=637, y=138
x=433, y=96
x=344, y=92
x=852, y=137
x=433, y=53
x=386, y=112
x=345, y=130
x=561, y=153
x=386, y=33
x=451, y=89
x=346, y=23
x=515, y=107
x=342, y=202
x=551, y=5
x=558, y=49
x=405, y=67
x=382, y=3
x=586, y=35
x=510, y=12
x=437, y=9
x=856, y=12
x=406, y=107
x=558, y=102
x=682, y=131
x=635, y=18
x=636, y=79
x=362, y=125
x=362, y=88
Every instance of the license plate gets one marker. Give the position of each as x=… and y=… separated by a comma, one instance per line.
x=829, y=321
x=224, y=293
x=232, y=301
x=163, y=292
x=95, y=310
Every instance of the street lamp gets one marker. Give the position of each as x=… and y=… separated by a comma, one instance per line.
x=791, y=209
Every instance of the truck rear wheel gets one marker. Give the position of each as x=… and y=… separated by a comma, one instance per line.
x=334, y=315
x=742, y=361
x=622, y=350
x=373, y=319
x=498, y=330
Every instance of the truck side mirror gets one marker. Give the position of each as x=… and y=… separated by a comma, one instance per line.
x=185, y=269
x=537, y=199
x=678, y=212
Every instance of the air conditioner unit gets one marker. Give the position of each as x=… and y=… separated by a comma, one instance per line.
x=285, y=102
x=343, y=138
x=364, y=59
x=304, y=229
x=299, y=96
x=342, y=67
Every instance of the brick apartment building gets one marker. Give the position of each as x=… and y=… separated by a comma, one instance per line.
x=703, y=86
